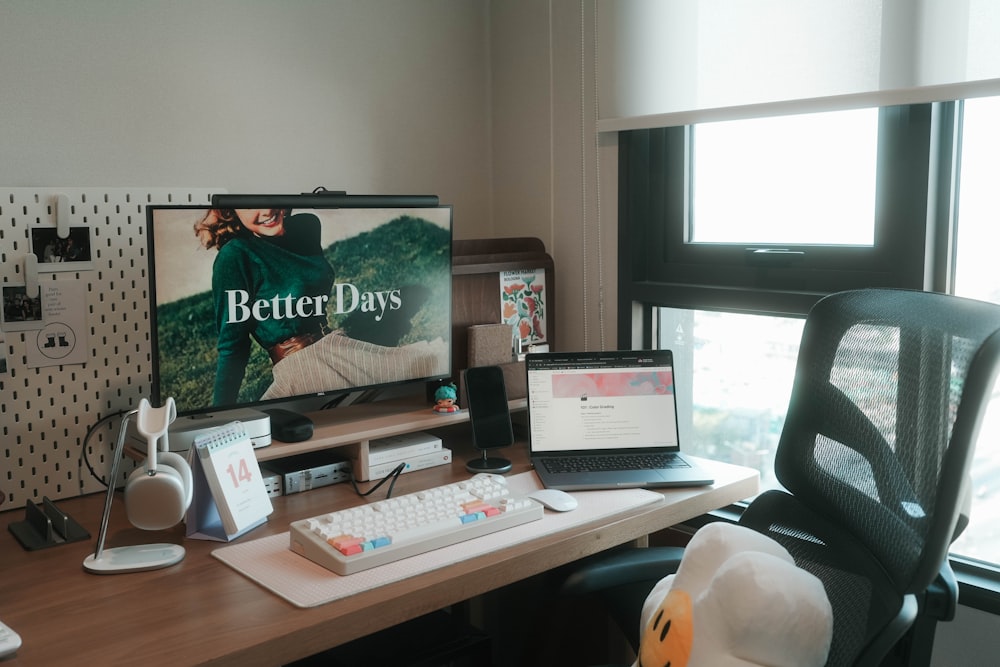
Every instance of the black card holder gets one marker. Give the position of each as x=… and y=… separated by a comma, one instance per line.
x=46, y=526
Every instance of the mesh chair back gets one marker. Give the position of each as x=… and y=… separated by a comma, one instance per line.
x=889, y=393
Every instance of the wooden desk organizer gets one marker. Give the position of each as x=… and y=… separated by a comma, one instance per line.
x=476, y=267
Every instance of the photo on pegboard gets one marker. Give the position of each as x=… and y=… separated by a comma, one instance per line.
x=20, y=311
x=72, y=253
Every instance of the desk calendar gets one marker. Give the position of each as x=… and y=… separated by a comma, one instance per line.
x=229, y=494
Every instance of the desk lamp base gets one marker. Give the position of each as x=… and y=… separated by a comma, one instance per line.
x=134, y=558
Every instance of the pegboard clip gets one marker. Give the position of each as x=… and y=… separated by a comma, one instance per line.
x=31, y=275
x=62, y=210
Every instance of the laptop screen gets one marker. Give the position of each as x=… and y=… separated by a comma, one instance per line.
x=600, y=401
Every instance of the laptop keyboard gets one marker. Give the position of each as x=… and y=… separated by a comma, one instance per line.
x=613, y=462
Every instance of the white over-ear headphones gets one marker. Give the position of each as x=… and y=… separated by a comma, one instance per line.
x=158, y=493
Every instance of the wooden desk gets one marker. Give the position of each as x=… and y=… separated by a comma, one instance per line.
x=201, y=612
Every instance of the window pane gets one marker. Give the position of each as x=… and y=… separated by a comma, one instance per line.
x=734, y=374
x=976, y=276
x=783, y=180
x=979, y=202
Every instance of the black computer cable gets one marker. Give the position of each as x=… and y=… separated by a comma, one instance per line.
x=394, y=475
x=84, y=460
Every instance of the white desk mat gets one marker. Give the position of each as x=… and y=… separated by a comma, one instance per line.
x=271, y=563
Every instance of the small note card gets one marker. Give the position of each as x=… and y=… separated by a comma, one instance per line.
x=229, y=494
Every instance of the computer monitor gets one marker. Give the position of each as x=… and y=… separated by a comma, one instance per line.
x=266, y=305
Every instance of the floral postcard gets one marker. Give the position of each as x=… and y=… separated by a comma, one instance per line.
x=522, y=305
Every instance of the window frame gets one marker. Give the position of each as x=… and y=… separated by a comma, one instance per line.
x=659, y=267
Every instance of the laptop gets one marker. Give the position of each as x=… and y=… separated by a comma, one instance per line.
x=606, y=420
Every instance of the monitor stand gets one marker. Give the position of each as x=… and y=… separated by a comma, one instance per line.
x=493, y=464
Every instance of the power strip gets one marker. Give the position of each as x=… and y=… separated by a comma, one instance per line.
x=272, y=482
x=308, y=471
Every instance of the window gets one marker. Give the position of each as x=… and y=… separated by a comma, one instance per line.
x=731, y=409
x=689, y=230
x=976, y=276
x=784, y=180
x=979, y=201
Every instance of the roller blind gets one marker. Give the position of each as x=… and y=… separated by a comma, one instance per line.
x=663, y=63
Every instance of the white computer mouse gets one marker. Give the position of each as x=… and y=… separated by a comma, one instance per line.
x=554, y=499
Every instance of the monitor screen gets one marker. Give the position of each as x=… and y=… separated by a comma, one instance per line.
x=254, y=306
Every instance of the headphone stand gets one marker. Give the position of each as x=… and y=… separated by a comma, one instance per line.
x=136, y=558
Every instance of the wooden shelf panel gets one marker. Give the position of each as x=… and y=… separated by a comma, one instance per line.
x=357, y=425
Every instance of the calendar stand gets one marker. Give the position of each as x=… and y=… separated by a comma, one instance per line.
x=229, y=497
x=203, y=519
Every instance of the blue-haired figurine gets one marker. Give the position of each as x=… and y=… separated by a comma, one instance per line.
x=446, y=395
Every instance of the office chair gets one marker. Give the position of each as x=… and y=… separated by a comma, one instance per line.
x=889, y=393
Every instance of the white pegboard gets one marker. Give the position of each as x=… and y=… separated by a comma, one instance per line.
x=45, y=412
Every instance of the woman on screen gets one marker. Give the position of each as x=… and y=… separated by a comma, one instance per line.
x=271, y=284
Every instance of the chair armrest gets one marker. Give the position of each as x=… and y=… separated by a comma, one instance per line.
x=621, y=580
x=632, y=565
x=941, y=597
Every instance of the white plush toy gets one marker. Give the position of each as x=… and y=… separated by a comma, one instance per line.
x=737, y=600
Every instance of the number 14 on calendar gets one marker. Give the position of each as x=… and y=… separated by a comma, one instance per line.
x=241, y=475
x=232, y=485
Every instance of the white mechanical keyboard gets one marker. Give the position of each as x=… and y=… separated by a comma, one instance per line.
x=351, y=540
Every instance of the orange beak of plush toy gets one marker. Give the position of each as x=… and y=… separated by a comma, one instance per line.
x=669, y=633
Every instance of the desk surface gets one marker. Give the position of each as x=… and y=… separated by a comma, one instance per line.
x=203, y=612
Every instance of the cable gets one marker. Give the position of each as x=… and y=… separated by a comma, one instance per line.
x=84, y=461
x=394, y=475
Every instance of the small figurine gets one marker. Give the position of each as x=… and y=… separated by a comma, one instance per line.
x=446, y=395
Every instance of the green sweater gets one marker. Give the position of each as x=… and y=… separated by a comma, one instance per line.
x=250, y=269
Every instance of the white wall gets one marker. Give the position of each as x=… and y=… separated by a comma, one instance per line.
x=370, y=96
